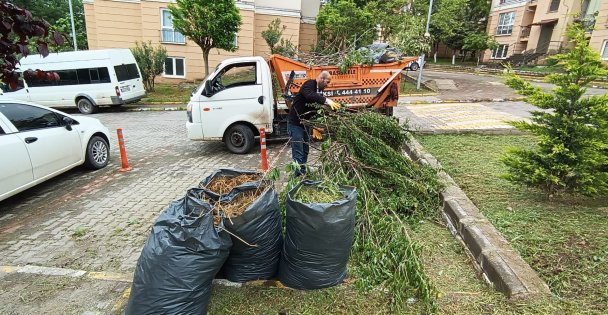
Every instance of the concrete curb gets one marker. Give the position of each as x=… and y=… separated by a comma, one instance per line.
x=500, y=264
x=473, y=100
x=534, y=76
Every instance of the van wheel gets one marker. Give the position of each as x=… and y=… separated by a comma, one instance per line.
x=414, y=66
x=98, y=153
x=86, y=107
x=239, y=139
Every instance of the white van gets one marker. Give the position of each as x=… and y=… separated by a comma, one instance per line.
x=87, y=79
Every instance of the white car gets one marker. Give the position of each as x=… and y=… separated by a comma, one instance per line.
x=37, y=143
x=415, y=65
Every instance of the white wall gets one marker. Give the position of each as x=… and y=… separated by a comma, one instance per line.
x=310, y=8
x=280, y=4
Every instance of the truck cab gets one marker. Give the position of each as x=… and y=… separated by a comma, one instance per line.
x=233, y=103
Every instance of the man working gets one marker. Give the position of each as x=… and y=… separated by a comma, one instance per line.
x=302, y=109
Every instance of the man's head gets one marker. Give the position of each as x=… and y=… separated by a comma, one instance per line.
x=323, y=80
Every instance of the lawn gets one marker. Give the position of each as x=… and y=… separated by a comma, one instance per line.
x=408, y=88
x=564, y=238
x=168, y=94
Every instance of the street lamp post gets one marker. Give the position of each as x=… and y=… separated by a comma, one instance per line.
x=74, y=29
x=426, y=35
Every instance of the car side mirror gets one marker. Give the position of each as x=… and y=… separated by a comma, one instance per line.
x=67, y=121
x=208, y=90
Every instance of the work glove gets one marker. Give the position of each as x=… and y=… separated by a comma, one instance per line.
x=333, y=105
x=317, y=134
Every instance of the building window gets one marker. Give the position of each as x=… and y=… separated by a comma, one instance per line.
x=167, y=33
x=175, y=67
x=605, y=50
x=500, y=52
x=554, y=5
x=505, y=23
x=236, y=40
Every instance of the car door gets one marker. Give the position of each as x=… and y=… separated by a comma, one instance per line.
x=52, y=147
x=15, y=165
x=237, y=95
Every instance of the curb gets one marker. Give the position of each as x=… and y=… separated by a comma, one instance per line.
x=533, y=76
x=499, y=263
x=155, y=108
x=474, y=100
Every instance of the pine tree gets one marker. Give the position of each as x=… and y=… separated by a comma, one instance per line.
x=572, y=131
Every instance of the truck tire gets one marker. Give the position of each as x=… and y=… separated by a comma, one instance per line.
x=239, y=139
x=414, y=66
x=85, y=106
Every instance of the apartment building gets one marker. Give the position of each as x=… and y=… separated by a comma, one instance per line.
x=120, y=23
x=538, y=27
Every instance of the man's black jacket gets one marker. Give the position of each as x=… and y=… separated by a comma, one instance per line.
x=308, y=95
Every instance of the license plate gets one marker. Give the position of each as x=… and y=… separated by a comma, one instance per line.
x=125, y=88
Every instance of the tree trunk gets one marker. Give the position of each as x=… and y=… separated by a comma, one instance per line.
x=435, y=57
x=453, y=58
x=206, y=59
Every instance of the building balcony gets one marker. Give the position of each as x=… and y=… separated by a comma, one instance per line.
x=525, y=32
x=510, y=2
x=172, y=36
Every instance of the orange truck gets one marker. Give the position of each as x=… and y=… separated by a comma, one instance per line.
x=238, y=99
x=361, y=86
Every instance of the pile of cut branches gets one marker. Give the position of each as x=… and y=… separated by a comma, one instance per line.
x=364, y=150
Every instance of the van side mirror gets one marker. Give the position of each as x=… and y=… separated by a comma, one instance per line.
x=208, y=90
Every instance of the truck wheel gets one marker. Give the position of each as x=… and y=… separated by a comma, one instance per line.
x=239, y=139
x=86, y=107
x=98, y=153
x=414, y=66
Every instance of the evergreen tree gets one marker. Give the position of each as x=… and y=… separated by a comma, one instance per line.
x=572, y=147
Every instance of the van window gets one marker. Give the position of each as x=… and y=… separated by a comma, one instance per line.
x=126, y=72
x=25, y=117
x=74, y=77
x=7, y=89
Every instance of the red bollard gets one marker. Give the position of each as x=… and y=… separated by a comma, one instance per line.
x=123, y=153
x=263, y=145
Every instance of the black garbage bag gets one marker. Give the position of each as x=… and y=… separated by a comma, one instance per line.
x=223, y=172
x=179, y=260
x=318, y=240
x=259, y=225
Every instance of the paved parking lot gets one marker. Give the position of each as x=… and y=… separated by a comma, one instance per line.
x=98, y=221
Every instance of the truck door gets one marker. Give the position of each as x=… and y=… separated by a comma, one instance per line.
x=236, y=95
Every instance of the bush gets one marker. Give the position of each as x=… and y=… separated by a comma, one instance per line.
x=151, y=62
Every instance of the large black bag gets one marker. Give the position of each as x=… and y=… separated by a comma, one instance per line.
x=318, y=240
x=223, y=172
x=259, y=225
x=179, y=260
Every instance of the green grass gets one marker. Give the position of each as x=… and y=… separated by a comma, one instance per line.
x=565, y=238
x=408, y=87
x=541, y=69
x=448, y=62
x=167, y=93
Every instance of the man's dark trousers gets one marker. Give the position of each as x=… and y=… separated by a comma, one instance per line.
x=300, y=137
